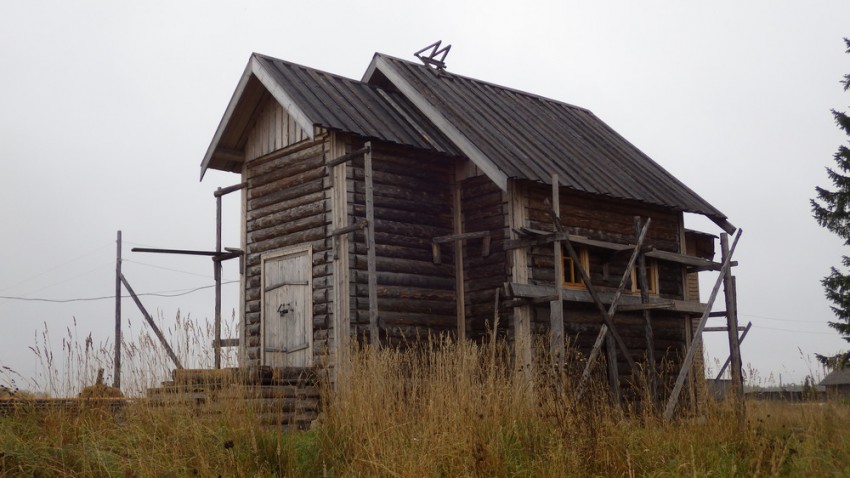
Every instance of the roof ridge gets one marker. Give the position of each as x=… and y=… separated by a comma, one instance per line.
x=323, y=72
x=488, y=83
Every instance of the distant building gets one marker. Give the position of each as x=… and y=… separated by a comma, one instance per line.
x=837, y=383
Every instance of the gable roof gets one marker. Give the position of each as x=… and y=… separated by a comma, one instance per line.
x=837, y=377
x=316, y=99
x=512, y=134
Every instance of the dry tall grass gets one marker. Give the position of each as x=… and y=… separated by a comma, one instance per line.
x=434, y=409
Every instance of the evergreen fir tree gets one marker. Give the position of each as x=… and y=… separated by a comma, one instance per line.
x=831, y=208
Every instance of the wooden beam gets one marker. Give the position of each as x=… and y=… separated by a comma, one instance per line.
x=729, y=290
x=348, y=156
x=460, y=237
x=689, y=357
x=229, y=189
x=341, y=303
x=457, y=237
x=643, y=284
x=116, y=378
x=740, y=341
x=556, y=307
x=517, y=201
x=374, y=333
x=150, y=322
x=608, y=315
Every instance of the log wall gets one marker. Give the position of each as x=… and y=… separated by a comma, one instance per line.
x=286, y=203
x=484, y=209
x=413, y=204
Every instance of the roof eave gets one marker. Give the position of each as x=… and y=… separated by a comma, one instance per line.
x=257, y=68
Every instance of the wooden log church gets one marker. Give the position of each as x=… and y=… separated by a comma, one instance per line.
x=418, y=201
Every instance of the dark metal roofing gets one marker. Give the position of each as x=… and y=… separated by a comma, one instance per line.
x=338, y=103
x=530, y=137
x=837, y=377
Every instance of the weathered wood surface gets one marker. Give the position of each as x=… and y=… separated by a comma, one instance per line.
x=288, y=203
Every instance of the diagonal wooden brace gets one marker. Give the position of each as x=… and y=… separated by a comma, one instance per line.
x=594, y=353
x=593, y=294
x=689, y=357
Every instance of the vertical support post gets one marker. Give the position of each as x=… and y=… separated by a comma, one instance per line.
x=732, y=325
x=556, y=307
x=341, y=305
x=460, y=296
x=613, y=368
x=374, y=337
x=519, y=274
x=116, y=379
x=217, y=278
x=643, y=283
x=689, y=339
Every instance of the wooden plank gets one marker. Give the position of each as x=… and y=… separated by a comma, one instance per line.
x=608, y=327
x=116, y=379
x=729, y=358
x=150, y=322
x=457, y=237
x=374, y=337
x=519, y=274
x=460, y=236
x=627, y=302
x=556, y=307
x=341, y=306
x=730, y=292
x=689, y=357
x=643, y=283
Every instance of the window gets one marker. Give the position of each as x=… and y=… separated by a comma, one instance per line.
x=651, y=277
x=572, y=277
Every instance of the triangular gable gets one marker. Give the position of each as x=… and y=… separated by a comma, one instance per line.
x=257, y=80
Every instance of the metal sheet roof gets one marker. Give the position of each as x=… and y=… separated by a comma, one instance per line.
x=530, y=137
x=339, y=103
x=318, y=99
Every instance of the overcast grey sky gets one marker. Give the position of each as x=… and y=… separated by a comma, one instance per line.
x=106, y=109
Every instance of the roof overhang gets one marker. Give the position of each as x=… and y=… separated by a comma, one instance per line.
x=226, y=150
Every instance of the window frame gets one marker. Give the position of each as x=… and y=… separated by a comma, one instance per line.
x=651, y=277
x=567, y=265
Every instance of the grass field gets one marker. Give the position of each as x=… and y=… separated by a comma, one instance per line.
x=443, y=410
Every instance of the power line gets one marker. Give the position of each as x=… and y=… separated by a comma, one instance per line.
x=206, y=276
x=58, y=266
x=795, y=331
x=166, y=293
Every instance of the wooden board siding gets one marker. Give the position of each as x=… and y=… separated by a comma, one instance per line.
x=483, y=206
x=273, y=129
x=287, y=204
x=413, y=204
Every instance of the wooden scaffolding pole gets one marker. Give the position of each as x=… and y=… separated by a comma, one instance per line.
x=609, y=314
x=556, y=307
x=590, y=289
x=689, y=357
x=116, y=379
x=457, y=219
x=374, y=332
x=217, y=278
x=643, y=283
x=735, y=368
x=150, y=321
